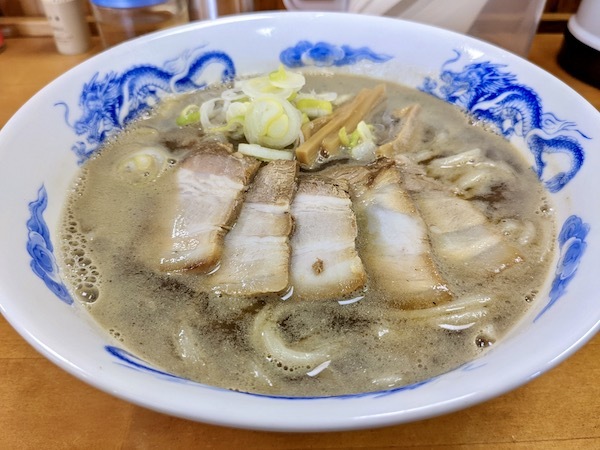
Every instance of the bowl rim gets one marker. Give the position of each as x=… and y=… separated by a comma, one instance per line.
x=317, y=423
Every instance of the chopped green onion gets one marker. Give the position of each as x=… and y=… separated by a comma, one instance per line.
x=343, y=135
x=143, y=165
x=237, y=111
x=349, y=141
x=284, y=79
x=189, y=115
x=314, y=107
x=272, y=122
x=259, y=86
x=364, y=149
x=267, y=110
x=264, y=153
x=364, y=131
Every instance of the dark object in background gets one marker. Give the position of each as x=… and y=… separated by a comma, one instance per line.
x=2, y=43
x=580, y=52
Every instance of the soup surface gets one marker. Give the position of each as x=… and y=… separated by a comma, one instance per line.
x=408, y=253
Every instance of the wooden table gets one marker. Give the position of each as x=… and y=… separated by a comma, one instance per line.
x=42, y=407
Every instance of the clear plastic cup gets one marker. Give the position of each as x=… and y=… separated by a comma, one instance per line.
x=120, y=20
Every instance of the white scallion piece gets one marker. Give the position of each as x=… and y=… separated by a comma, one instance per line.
x=449, y=326
x=350, y=301
x=272, y=122
x=264, y=153
x=320, y=368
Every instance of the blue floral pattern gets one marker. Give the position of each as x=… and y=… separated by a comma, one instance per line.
x=111, y=101
x=323, y=54
x=494, y=95
x=133, y=362
x=41, y=250
x=571, y=241
x=136, y=363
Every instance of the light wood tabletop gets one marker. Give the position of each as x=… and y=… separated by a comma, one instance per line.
x=43, y=407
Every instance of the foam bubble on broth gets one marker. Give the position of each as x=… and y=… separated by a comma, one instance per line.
x=109, y=231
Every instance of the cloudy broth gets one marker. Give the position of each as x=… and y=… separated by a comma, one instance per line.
x=276, y=343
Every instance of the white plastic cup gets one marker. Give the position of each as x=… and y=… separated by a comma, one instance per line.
x=69, y=26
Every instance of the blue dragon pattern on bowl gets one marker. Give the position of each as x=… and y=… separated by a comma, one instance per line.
x=110, y=102
x=492, y=94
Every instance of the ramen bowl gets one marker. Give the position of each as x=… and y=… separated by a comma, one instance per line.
x=48, y=139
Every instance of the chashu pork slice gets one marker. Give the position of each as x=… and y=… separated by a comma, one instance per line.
x=463, y=235
x=324, y=263
x=397, y=252
x=408, y=132
x=210, y=187
x=256, y=252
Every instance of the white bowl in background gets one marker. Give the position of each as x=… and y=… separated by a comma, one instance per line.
x=43, y=144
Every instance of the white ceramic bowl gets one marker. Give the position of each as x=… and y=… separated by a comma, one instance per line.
x=44, y=142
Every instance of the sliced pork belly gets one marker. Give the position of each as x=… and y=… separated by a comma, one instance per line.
x=210, y=187
x=408, y=132
x=462, y=234
x=256, y=252
x=397, y=252
x=472, y=172
x=324, y=263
